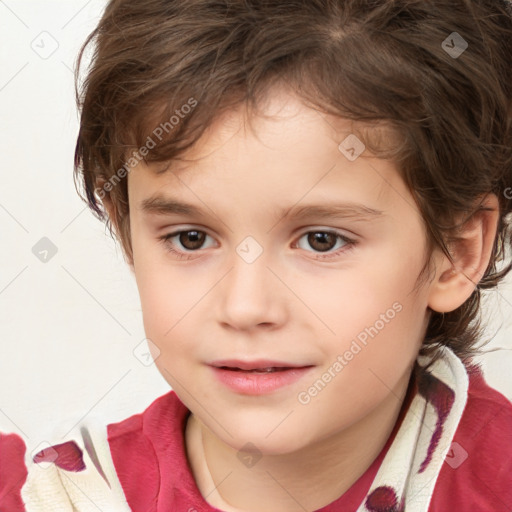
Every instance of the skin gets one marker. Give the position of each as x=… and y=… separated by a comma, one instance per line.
x=289, y=304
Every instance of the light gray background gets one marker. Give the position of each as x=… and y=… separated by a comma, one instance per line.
x=70, y=325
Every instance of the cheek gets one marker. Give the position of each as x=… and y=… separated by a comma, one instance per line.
x=165, y=303
x=387, y=276
x=353, y=299
x=170, y=300
x=377, y=318
x=159, y=293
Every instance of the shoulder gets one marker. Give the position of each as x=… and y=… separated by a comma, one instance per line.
x=486, y=422
x=165, y=408
x=104, y=460
x=146, y=446
x=477, y=471
x=162, y=420
x=13, y=472
x=73, y=474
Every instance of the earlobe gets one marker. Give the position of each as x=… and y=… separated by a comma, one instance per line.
x=471, y=251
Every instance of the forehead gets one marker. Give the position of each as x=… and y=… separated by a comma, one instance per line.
x=283, y=154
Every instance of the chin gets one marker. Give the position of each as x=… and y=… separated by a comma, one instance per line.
x=258, y=439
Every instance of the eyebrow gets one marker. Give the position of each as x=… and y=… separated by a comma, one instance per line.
x=159, y=205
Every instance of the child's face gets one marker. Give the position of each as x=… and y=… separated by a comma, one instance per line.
x=353, y=318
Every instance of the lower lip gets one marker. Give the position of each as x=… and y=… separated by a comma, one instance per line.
x=251, y=383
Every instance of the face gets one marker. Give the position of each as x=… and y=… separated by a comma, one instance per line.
x=295, y=254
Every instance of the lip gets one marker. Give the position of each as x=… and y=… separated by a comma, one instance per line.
x=255, y=364
x=236, y=375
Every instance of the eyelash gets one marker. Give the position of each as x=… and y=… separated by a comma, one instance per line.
x=349, y=243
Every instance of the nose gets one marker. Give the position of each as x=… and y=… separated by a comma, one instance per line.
x=251, y=295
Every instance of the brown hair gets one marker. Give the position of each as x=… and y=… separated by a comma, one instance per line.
x=396, y=62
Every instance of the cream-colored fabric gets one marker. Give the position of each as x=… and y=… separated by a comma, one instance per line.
x=400, y=469
x=52, y=489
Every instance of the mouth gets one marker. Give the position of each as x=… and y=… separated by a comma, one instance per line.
x=258, y=377
x=256, y=370
x=257, y=366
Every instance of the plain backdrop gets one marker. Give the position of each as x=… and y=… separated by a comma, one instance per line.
x=70, y=317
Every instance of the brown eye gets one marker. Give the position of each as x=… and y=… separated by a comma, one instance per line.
x=325, y=244
x=191, y=240
x=187, y=243
x=322, y=240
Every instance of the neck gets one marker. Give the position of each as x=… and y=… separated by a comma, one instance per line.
x=307, y=479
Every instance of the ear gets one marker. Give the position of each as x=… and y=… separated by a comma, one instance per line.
x=471, y=251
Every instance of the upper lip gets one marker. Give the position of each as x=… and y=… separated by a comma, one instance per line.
x=255, y=364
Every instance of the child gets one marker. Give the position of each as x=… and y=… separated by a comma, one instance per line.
x=311, y=196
